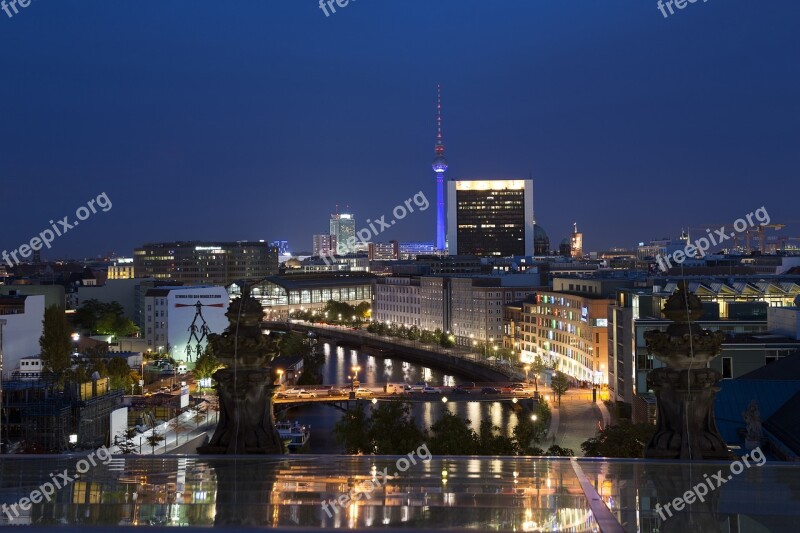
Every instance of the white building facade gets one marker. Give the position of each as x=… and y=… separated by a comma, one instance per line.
x=178, y=320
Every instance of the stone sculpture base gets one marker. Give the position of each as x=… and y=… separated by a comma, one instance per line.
x=685, y=424
x=246, y=422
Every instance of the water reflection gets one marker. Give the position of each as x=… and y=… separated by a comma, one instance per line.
x=481, y=493
x=376, y=371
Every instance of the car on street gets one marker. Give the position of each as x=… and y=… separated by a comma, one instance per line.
x=297, y=393
x=490, y=390
x=362, y=392
x=458, y=390
x=431, y=390
x=336, y=391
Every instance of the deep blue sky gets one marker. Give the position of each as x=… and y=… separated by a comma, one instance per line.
x=251, y=119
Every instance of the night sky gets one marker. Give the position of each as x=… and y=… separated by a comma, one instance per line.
x=252, y=119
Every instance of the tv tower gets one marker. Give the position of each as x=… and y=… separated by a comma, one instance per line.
x=440, y=167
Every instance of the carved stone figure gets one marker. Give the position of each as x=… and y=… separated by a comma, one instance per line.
x=685, y=388
x=754, y=433
x=245, y=386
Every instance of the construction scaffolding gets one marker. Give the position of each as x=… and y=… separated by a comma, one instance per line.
x=41, y=416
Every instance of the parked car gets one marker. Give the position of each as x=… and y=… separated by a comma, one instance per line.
x=431, y=390
x=489, y=390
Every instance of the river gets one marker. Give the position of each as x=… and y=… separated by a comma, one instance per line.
x=376, y=371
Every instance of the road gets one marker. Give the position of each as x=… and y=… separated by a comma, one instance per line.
x=578, y=420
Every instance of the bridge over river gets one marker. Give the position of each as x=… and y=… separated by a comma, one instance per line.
x=457, y=360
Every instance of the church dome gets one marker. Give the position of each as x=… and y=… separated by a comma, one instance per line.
x=541, y=242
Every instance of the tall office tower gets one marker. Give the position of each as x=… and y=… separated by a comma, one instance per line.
x=576, y=243
x=490, y=217
x=343, y=230
x=324, y=244
x=206, y=263
x=439, y=167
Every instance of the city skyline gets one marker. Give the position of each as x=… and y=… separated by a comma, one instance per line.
x=636, y=128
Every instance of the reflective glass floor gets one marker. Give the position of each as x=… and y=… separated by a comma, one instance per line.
x=454, y=493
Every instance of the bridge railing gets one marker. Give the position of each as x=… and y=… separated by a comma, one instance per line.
x=504, y=367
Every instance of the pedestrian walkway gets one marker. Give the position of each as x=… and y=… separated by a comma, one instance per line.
x=578, y=420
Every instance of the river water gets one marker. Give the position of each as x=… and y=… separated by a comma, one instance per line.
x=376, y=371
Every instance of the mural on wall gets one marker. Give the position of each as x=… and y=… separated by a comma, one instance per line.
x=198, y=331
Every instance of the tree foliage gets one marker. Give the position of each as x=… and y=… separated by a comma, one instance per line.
x=206, y=364
x=55, y=341
x=621, y=440
x=104, y=318
x=560, y=385
x=451, y=435
x=351, y=432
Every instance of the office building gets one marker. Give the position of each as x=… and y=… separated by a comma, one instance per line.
x=410, y=250
x=490, y=217
x=324, y=244
x=343, y=231
x=384, y=251
x=178, y=320
x=206, y=263
x=470, y=307
x=737, y=306
x=121, y=269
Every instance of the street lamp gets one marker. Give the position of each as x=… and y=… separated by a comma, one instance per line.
x=356, y=370
x=280, y=376
x=534, y=417
x=526, y=367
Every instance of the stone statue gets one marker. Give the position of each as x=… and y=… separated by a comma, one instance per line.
x=685, y=388
x=753, y=418
x=245, y=386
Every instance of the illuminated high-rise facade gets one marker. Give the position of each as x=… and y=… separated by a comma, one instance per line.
x=343, y=232
x=490, y=217
x=439, y=167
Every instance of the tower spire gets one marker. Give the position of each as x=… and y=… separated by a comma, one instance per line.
x=439, y=167
x=439, y=139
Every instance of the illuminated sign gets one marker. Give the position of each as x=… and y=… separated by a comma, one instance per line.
x=490, y=185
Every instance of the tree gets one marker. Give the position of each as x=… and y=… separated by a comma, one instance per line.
x=537, y=367
x=351, y=431
x=557, y=451
x=55, y=341
x=125, y=441
x=392, y=429
x=451, y=435
x=490, y=443
x=154, y=440
x=621, y=440
x=206, y=364
x=105, y=318
x=120, y=374
x=560, y=385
